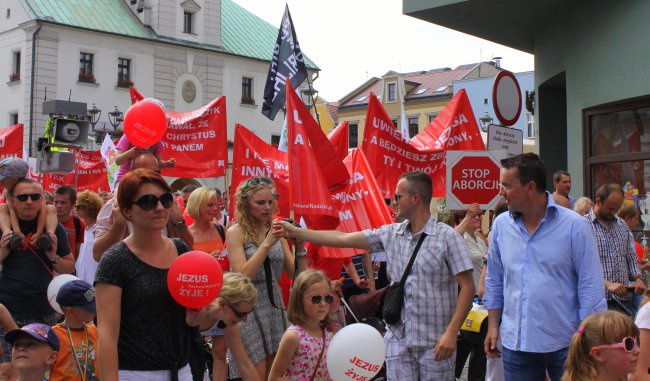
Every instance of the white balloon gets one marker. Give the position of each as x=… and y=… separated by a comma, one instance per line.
x=356, y=353
x=53, y=289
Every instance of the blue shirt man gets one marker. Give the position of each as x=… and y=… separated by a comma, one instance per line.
x=544, y=275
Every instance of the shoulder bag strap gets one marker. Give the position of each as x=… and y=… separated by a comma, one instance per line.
x=410, y=264
x=42, y=261
x=221, y=232
x=322, y=351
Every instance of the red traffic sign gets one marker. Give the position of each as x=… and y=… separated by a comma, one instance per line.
x=472, y=177
x=506, y=98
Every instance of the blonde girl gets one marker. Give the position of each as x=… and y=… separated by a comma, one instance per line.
x=604, y=348
x=302, y=352
x=254, y=252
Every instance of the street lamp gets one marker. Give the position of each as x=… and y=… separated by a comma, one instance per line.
x=95, y=114
x=485, y=120
x=115, y=117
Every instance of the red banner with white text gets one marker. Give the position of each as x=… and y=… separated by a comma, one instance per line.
x=362, y=204
x=389, y=156
x=339, y=138
x=313, y=167
x=197, y=140
x=11, y=141
x=92, y=175
x=253, y=157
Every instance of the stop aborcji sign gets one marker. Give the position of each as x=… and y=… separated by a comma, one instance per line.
x=472, y=177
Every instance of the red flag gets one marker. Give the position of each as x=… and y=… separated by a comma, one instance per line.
x=339, y=137
x=312, y=162
x=135, y=95
x=11, y=141
x=197, y=140
x=253, y=157
x=454, y=128
x=92, y=174
x=362, y=204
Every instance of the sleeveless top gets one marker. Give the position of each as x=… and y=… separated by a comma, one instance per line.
x=306, y=358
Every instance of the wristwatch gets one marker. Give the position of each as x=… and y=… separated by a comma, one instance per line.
x=179, y=224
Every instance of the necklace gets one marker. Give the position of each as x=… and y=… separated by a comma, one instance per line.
x=74, y=352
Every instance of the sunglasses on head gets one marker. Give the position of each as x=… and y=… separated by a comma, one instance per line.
x=24, y=197
x=253, y=181
x=150, y=202
x=628, y=344
x=239, y=314
x=317, y=299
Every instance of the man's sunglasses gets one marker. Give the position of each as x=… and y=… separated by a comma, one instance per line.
x=318, y=299
x=239, y=314
x=24, y=197
x=150, y=202
x=628, y=343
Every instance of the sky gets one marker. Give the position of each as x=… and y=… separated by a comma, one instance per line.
x=352, y=41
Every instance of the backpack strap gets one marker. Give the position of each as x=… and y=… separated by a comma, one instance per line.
x=221, y=231
x=77, y=226
x=181, y=246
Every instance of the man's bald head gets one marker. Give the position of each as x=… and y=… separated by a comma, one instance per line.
x=146, y=160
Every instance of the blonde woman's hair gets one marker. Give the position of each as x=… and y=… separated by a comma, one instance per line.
x=242, y=214
x=237, y=288
x=306, y=279
x=581, y=203
x=90, y=202
x=197, y=200
x=607, y=327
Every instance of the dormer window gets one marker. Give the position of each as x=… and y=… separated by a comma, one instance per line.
x=190, y=9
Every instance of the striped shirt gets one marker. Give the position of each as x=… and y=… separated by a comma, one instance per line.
x=616, y=250
x=430, y=291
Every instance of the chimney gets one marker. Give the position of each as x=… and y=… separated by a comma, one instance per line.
x=497, y=62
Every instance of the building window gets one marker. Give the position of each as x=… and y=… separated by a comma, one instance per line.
x=15, y=66
x=394, y=120
x=431, y=118
x=353, y=135
x=124, y=72
x=13, y=118
x=414, y=127
x=275, y=141
x=187, y=21
x=86, y=67
x=392, y=92
x=247, y=91
x=616, y=149
x=530, y=126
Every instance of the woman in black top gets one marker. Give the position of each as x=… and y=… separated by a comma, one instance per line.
x=141, y=328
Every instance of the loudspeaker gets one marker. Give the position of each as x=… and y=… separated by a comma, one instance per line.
x=71, y=131
x=56, y=162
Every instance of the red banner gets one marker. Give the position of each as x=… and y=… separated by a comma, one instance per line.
x=253, y=157
x=362, y=204
x=389, y=156
x=135, y=95
x=11, y=141
x=197, y=140
x=92, y=175
x=339, y=138
x=313, y=166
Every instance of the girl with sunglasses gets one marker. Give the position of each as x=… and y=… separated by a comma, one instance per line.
x=606, y=347
x=302, y=352
x=254, y=252
x=143, y=332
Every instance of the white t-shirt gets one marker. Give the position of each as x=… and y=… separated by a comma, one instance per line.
x=86, y=266
x=643, y=317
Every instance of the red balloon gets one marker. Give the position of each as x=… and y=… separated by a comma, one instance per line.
x=145, y=123
x=194, y=279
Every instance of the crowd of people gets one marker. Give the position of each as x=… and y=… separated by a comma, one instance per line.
x=560, y=280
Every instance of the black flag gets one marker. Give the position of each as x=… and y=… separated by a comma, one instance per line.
x=287, y=62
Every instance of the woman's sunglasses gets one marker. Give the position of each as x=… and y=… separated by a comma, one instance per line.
x=150, y=202
x=239, y=314
x=24, y=197
x=628, y=343
x=253, y=181
x=318, y=299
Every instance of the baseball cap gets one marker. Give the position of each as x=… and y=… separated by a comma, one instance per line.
x=13, y=167
x=77, y=293
x=40, y=332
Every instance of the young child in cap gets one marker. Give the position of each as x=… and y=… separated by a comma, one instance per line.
x=34, y=350
x=77, y=334
x=12, y=170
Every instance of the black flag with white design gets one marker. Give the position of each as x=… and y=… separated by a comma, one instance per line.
x=287, y=63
